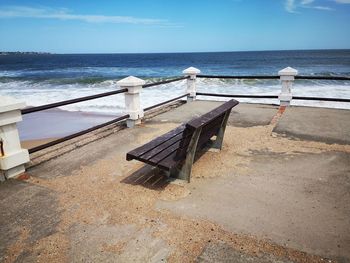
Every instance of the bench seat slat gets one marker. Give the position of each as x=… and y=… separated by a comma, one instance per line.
x=134, y=154
x=161, y=147
x=169, y=162
x=157, y=158
x=206, y=118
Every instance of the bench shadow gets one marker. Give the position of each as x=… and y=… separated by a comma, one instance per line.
x=148, y=177
x=154, y=178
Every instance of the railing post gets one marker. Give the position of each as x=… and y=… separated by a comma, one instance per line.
x=191, y=72
x=287, y=78
x=132, y=99
x=12, y=156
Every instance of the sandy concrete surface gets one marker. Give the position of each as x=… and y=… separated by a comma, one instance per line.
x=243, y=115
x=326, y=125
x=263, y=198
x=290, y=199
x=223, y=253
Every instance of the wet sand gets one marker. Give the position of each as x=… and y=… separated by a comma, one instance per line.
x=55, y=123
x=33, y=143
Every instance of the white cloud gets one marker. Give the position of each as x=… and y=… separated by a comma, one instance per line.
x=292, y=5
x=342, y=1
x=306, y=2
x=64, y=14
x=326, y=8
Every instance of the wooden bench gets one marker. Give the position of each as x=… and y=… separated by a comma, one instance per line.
x=175, y=151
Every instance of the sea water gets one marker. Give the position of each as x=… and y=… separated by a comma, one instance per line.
x=42, y=79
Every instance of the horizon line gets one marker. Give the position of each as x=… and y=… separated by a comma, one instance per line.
x=175, y=52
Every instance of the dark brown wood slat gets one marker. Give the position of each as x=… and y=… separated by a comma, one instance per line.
x=206, y=118
x=157, y=158
x=161, y=147
x=214, y=123
x=181, y=152
x=206, y=137
x=145, y=161
x=209, y=130
x=154, y=143
x=177, y=157
x=169, y=162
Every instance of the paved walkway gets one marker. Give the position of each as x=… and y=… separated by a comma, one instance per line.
x=325, y=125
x=271, y=195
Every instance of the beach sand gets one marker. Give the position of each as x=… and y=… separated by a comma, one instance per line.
x=33, y=143
x=55, y=123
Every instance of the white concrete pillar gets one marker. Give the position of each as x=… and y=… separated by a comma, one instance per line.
x=191, y=82
x=12, y=156
x=132, y=99
x=287, y=78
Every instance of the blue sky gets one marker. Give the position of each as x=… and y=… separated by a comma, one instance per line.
x=130, y=26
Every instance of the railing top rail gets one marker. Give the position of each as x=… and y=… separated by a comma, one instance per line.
x=271, y=97
x=238, y=95
x=165, y=102
x=67, y=102
x=164, y=82
x=74, y=135
x=323, y=77
x=91, y=97
x=272, y=77
x=238, y=77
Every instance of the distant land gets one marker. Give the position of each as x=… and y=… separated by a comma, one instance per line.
x=2, y=53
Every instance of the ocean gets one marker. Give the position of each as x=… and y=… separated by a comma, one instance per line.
x=42, y=79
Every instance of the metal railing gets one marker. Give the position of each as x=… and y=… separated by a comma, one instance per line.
x=165, y=102
x=238, y=77
x=72, y=101
x=124, y=117
x=92, y=97
x=74, y=135
x=238, y=95
x=163, y=82
x=270, y=97
x=272, y=77
x=300, y=77
x=132, y=87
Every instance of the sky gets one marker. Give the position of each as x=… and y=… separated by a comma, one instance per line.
x=142, y=26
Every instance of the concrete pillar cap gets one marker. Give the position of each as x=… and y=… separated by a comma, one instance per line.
x=10, y=104
x=131, y=81
x=288, y=71
x=191, y=71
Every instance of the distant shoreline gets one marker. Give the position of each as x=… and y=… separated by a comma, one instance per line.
x=160, y=53
x=4, y=53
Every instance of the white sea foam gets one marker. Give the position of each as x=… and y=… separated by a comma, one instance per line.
x=326, y=89
x=36, y=93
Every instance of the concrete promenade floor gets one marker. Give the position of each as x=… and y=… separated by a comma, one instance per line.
x=279, y=191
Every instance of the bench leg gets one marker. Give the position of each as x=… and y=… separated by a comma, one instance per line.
x=217, y=144
x=184, y=171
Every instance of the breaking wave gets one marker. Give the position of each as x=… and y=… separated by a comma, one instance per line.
x=38, y=91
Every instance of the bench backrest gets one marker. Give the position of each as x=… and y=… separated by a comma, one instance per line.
x=209, y=123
